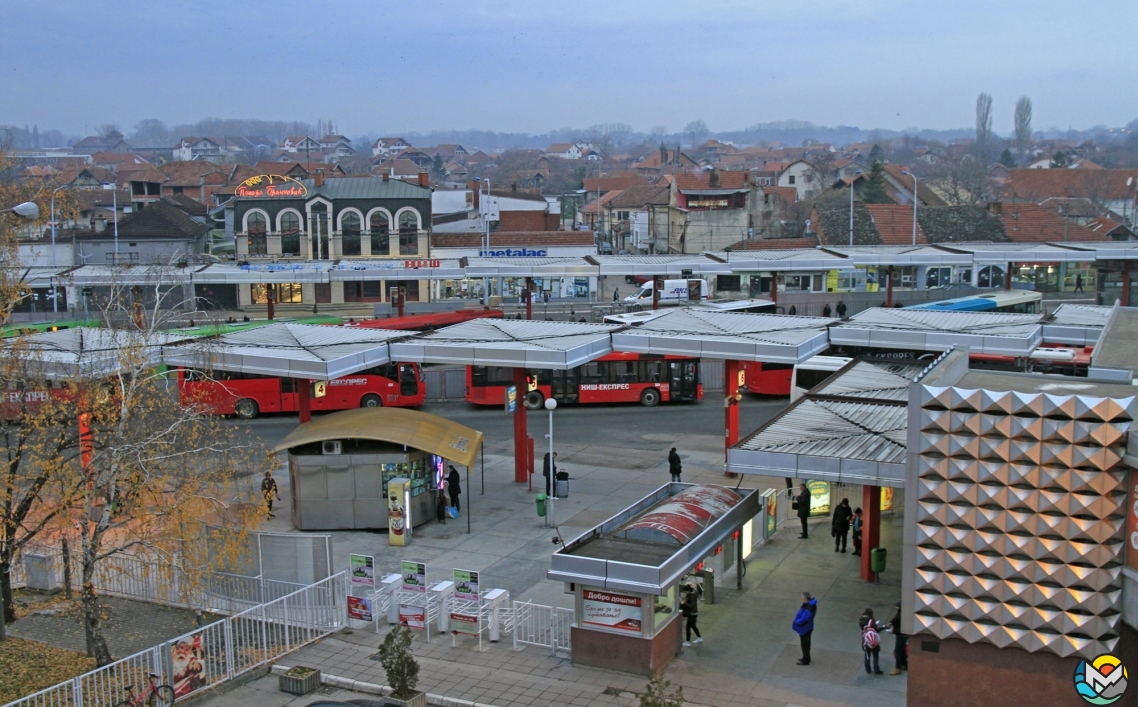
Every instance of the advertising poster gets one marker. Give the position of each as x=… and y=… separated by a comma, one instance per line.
x=886, y=498
x=466, y=585
x=414, y=576
x=620, y=612
x=1132, y=523
x=511, y=399
x=819, y=497
x=363, y=569
x=412, y=616
x=187, y=664
x=359, y=608
x=464, y=623
x=772, y=515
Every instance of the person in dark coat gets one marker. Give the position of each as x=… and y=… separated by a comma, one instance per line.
x=804, y=625
x=674, y=465
x=802, y=505
x=840, y=524
x=689, y=609
x=856, y=525
x=615, y=294
x=826, y=311
x=454, y=487
x=549, y=470
x=842, y=309
x=792, y=311
x=900, y=645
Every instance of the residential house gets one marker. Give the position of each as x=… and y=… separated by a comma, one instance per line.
x=899, y=186
x=119, y=161
x=300, y=143
x=804, y=177
x=385, y=146
x=111, y=142
x=607, y=183
x=710, y=210
x=160, y=233
x=422, y=159
x=637, y=215
x=593, y=214
x=1109, y=230
x=197, y=148
x=1113, y=189
x=664, y=161
x=398, y=168
x=336, y=147
x=564, y=150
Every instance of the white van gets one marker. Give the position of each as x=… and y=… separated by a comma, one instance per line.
x=673, y=292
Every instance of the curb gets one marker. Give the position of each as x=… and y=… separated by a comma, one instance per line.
x=371, y=688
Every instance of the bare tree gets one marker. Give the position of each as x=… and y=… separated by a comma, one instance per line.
x=698, y=131
x=983, y=119
x=1023, y=124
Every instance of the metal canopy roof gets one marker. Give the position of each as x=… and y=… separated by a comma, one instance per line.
x=530, y=267
x=1018, y=252
x=83, y=352
x=230, y=273
x=392, y=269
x=663, y=265
x=142, y=275
x=771, y=338
x=509, y=342
x=846, y=441
x=1075, y=324
x=876, y=379
x=900, y=255
x=1109, y=250
x=922, y=330
x=783, y=260
x=290, y=350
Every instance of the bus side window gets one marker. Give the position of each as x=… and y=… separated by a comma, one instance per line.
x=593, y=372
x=651, y=371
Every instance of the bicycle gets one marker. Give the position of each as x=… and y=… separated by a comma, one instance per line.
x=154, y=695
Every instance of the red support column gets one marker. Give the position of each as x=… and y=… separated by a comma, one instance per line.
x=529, y=298
x=270, y=297
x=889, y=288
x=521, y=447
x=870, y=527
x=304, y=399
x=774, y=287
x=655, y=292
x=1008, y=276
x=733, y=371
x=1125, y=283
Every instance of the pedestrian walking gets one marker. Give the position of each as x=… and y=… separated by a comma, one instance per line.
x=545, y=296
x=840, y=524
x=270, y=492
x=689, y=609
x=1079, y=282
x=804, y=625
x=841, y=309
x=826, y=311
x=674, y=465
x=549, y=471
x=900, y=644
x=856, y=525
x=792, y=311
x=615, y=294
x=870, y=641
x=454, y=487
x=801, y=504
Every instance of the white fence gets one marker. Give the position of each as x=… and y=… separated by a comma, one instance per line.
x=542, y=626
x=212, y=654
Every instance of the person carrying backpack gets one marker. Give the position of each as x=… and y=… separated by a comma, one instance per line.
x=871, y=642
x=856, y=526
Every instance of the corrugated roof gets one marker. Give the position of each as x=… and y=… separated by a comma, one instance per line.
x=88, y=351
x=843, y=430
x=507, y=342
x=880, y=379
x=923, y=330
x=1085, y=315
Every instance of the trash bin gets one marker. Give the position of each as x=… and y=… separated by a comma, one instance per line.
x=877, y=559
x=541, y=505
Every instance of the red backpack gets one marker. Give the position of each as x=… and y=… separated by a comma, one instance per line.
x=869, y=636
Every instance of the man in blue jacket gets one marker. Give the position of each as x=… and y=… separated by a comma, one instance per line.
x=804, y=625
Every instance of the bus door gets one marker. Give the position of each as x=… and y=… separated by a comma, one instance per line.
x=290, y=401
x=566, y=385
x=408, y=380
x=683, y=379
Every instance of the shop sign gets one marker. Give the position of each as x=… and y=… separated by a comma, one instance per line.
x=271, y=185
x=464, y=623
x=707, y=203
x=363, y=569
x=416, y=264
x=412, y=616
x=886, y=498
x=359, y=608
x=414, y=576
x=819, y=497
x=1132, y=523
x=466, y=585
x=513, y=253
x=620, y=612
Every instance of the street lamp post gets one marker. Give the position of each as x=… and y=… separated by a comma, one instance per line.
x=53, y=193
x=551, y=490
x=914, y=205
x=29, y=210
x=852, y=180
x=484, y=207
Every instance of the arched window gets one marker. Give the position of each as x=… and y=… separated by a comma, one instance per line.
x=290, y=233
x=350, y=233
x=408, y=233
x=380, y=230
x=256, y=227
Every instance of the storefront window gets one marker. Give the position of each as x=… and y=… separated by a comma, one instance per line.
x=408, y=234
x=257, y=231
x=290, y=234
x=664, y=608
x=281, y=293
x=350, y=234
x=365, y=291
x=380, y=229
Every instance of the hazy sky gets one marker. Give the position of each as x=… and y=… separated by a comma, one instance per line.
x=390, y=67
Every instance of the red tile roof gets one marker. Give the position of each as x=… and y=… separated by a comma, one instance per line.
x=1095, y=184
x=702, y=180
x=1029, y=223
x=595, y=206
x=895, y=224
x=927, y=195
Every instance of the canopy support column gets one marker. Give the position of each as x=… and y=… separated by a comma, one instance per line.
x=304, y=399
x=774, y=287
x=889, y=287
x=656, y=291
x=1008, y=276
x=870, y=528
x=1125, y=283
x=270, y=296
x=521, y=447
x=732, y=372
x=529, y=298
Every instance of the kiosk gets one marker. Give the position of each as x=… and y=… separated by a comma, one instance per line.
x=625, y=573
x=341, y=466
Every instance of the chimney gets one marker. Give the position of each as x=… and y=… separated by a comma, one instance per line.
x=318, y=178
x=424, y=179
x=995, y=208
x=713, y=179
x=472, y=185
x=514, y=186
x=201, y=187
x=386, y=175
x=100, y=224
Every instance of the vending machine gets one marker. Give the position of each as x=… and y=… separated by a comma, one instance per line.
x=399, y=511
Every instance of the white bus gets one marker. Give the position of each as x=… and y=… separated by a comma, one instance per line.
x=813, y=371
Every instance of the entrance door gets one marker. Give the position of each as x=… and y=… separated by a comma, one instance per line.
x=408, y=381
x=683, y=379
x=567, y=385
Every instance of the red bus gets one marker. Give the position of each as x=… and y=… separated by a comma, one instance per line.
x=615, y=378
x=248, y=395
x=426, y=322
x=767, y=378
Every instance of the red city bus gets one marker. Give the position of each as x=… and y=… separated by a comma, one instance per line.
x=247, y=395
x=767, y=378
x=615, y=378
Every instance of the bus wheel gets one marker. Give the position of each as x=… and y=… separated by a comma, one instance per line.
x=371, y=400
x=534, y=400
x=246, y=409
x=650, y=398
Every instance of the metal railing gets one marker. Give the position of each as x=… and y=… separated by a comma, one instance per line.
x=212, y=654
x=541, y=626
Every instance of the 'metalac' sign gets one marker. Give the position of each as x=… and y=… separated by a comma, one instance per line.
x=270, y=185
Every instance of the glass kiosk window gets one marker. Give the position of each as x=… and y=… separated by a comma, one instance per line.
x=417, y=470
x=665, y=608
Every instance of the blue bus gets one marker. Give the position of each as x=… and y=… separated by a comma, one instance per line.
x=1014, y=301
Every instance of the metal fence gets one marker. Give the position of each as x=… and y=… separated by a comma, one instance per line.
x=542, y=626
x=445, y=383
x=213, y=654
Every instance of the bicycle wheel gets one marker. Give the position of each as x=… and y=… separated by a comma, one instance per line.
x=125, y=703
x=163, y=696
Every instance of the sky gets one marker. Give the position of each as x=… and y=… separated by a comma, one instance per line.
x=382, y=67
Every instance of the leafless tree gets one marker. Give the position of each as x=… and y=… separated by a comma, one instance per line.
x=698, y=130
x=1023, y=124
x=983, y=119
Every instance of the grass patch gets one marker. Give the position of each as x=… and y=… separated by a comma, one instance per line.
x=27, y=667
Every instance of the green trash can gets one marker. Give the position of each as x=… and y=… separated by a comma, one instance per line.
x=541, y=505
x=877, y=559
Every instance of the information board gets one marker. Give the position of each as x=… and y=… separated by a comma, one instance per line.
x=619, y=612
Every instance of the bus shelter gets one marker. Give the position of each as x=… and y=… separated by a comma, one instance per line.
x=300, y=351
x=625, y=573
x=90, y=352
x=1076, y=324
x=340, y=465
x=992, y=333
